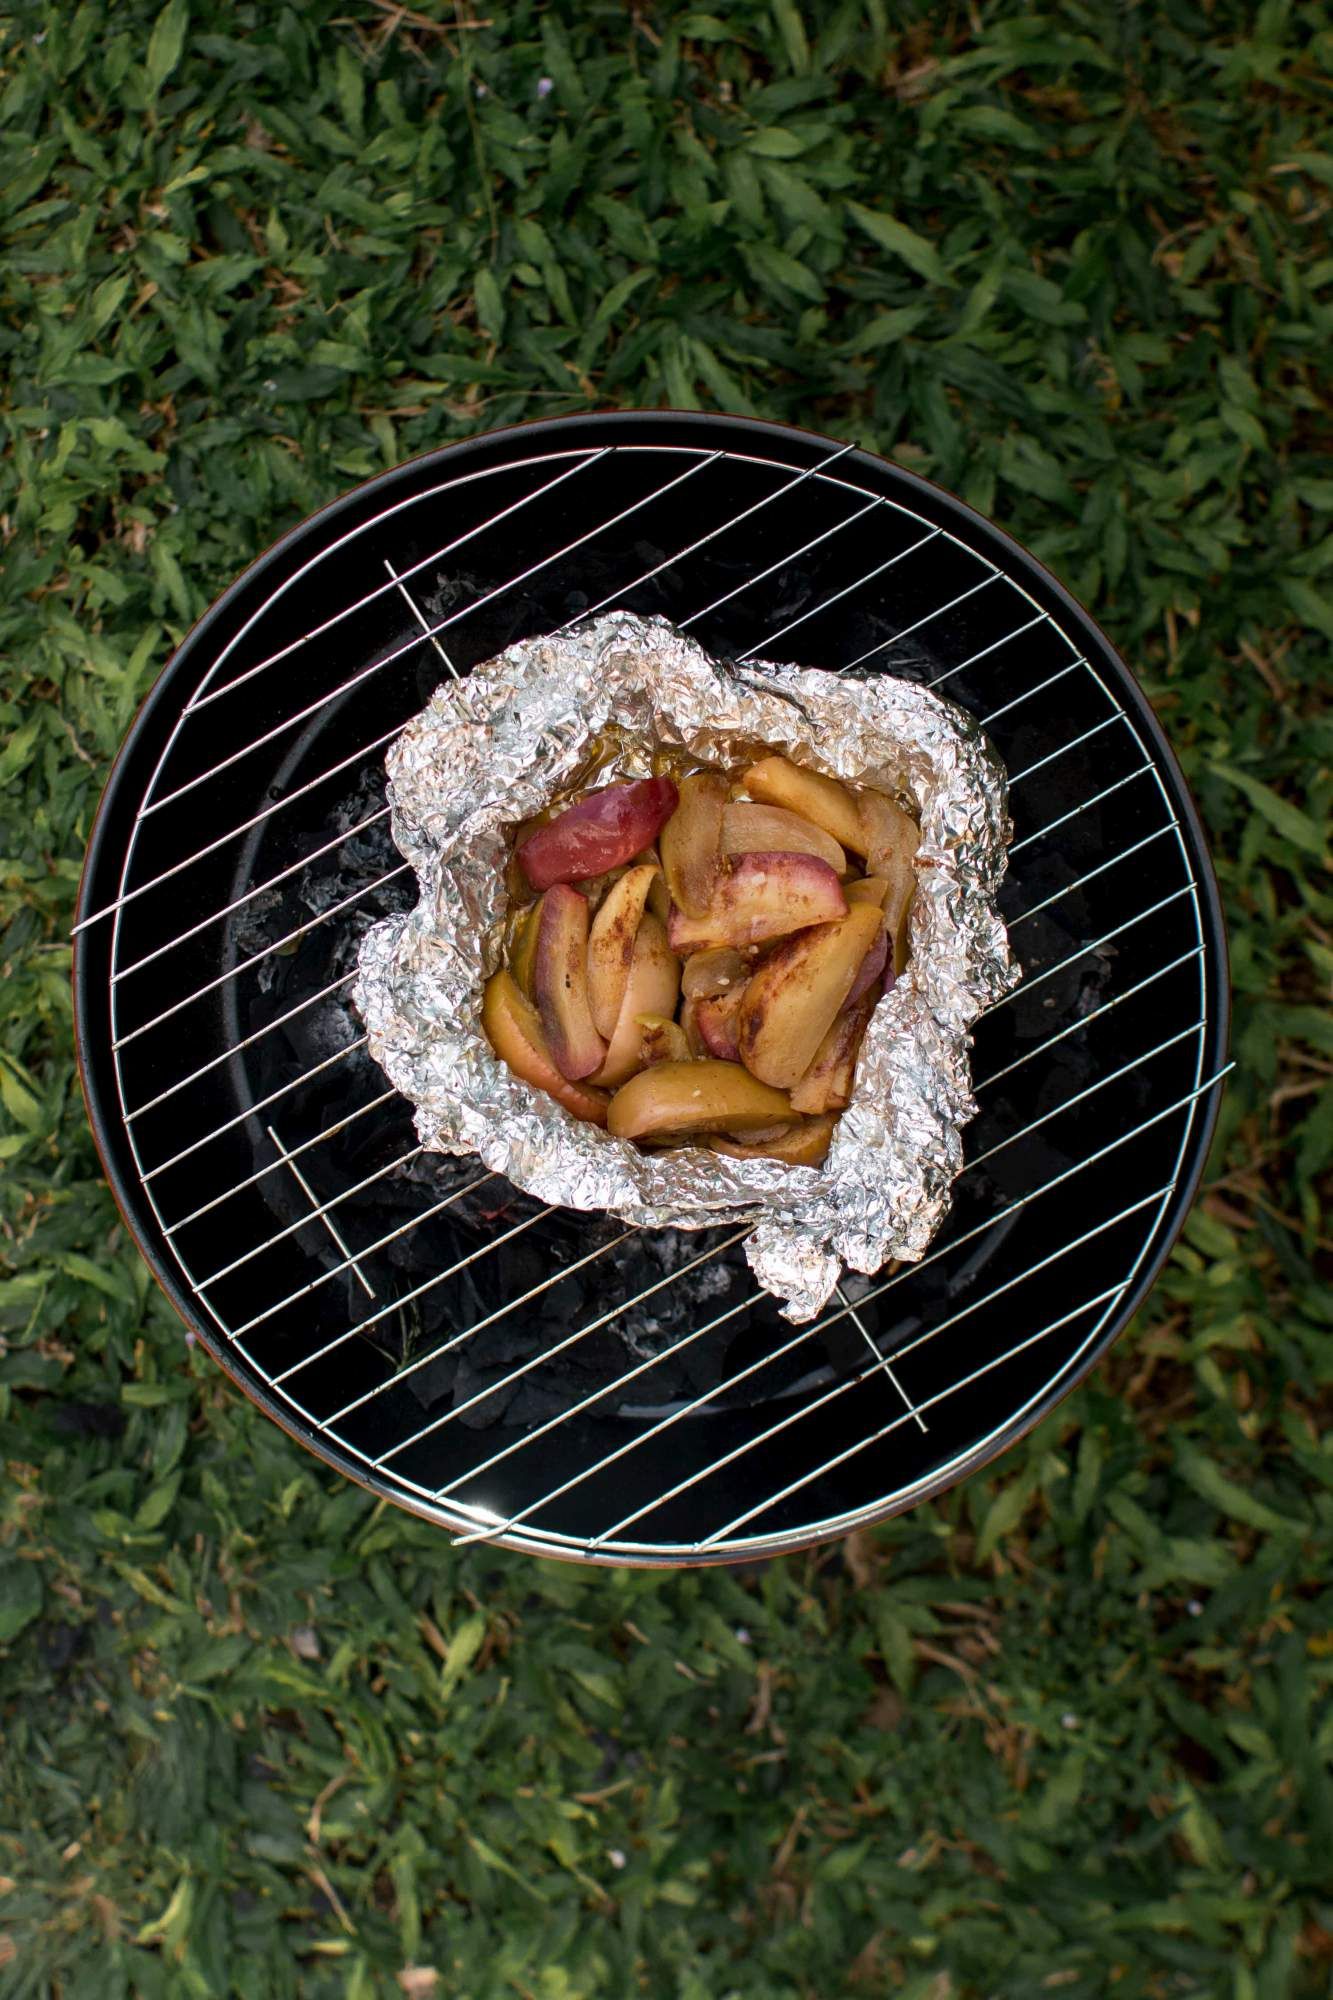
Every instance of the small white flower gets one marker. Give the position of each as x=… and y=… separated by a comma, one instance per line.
x=545, y=85
x=616, y=1856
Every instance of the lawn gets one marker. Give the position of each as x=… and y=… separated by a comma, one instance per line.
x=1070, y=1729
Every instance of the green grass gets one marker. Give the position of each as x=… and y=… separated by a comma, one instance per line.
x=1069, y=1730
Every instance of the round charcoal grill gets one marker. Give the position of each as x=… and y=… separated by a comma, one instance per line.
x=551, y=1380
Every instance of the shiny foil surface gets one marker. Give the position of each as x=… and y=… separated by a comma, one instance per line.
x=594, y=705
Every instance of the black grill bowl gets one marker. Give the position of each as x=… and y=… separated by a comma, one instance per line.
x=551, y=1380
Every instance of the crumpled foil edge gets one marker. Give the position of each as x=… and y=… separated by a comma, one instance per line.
x=488, y=753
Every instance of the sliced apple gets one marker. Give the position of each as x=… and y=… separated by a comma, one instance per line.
x=774, y=781
x=611, y=944
x=677, y=1099
x=870, y=889
x=827, y=1084
x=898, y=910
x=803, y=1145
x=758, y=829
x=560, y=982
x=691, y=842
x=716, y=1016
x=689, y=1027
x=597, y=833
x=793, y=998
x=871, y=969
x=514, y=1030
x=889, y=834
x=524, y=948
x=663, y=1040
x=762, y=896
x=651, y=987
x=710, y=972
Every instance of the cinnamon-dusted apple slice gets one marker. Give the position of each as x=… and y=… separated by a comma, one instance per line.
x=514, y=1031
x=716, y=1016
x=759, y=829
x=793, y=998
x=803, y=1145
x=870, y=889
x=560, y=982
x=762, y=896
x=706, y=973
x=650, y=988
x=676, y=1100
x=611, y=945
x=691, y=842
x=827, y=1084
x=597, y=833
x=889, y=834
x=871, y=970
x=695, y=1044
x=663, y=1040
x=774, y=781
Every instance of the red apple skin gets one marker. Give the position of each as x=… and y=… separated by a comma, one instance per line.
x=598, y=833
x=872, y=966
x=515, y=1033
x=560, y=983
x=762, y=896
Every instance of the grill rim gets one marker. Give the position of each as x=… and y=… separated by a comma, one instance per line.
x=580, y=432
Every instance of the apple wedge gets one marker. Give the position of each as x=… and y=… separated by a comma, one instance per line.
x=651, y=987
x=761, y=896
x=611, y=945
x=889, y=834
x=560, y=983
x=707, y=973
x=678, y=1100
x=871, y=969
x=803, y=1145
x=524, y=949
x=756, y=829
x=773, y=781
x=827, y=1084
x=794, y=997
x=716, y=1016
x=597, y=833
x=870, y=889
x=689, y=1027
x=691, y=842
x=663, y=1040
x=514, y=1030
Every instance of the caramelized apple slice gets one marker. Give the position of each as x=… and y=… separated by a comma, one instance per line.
x=663, y=1040
x=755, y=829
x=870, y=889
x=675, y=1100
x=710, y=972
x=650, y=988
x=803, y=1145
x=871, y=969
x=524, y=949
x=827, y=1084
x=792, y=999
x=689, y=1027
x=611, y=944
x=762, y=896
x=691, y=842
x=716, y=1016
x=889, y=834
x=823, y=801
x=514, y=1031
x=597, y=833
x=560, y=982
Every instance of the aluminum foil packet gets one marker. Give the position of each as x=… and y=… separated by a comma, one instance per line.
x=593, y=704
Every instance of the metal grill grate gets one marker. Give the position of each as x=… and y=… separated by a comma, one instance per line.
x=411, y=1317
